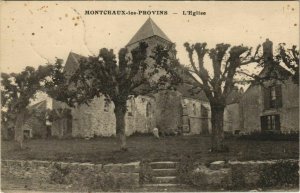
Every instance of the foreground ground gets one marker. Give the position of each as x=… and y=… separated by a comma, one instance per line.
x=106, y=150
x=22, y=187
x=25, y=186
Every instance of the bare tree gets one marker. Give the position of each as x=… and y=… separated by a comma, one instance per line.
x=290, y=58
x=227, y=66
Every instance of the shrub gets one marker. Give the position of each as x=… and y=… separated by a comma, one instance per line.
x=282, y=173
x=146, y=172
x=139, y=134
x=275, y=136
x=228, y=135
x=58, y=175
x=103, y=182
x=185, y=168
x=238, y=178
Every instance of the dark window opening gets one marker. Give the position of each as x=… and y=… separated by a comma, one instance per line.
x=270, y=123
x=106, y=106
x=148, y=110
x=27, y=134
x=188, y=129
x=129, y=109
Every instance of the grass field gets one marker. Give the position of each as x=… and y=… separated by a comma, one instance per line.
x=104, y=150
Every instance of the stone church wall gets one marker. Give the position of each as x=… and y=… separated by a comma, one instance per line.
x=98, y=118
x=232, y=118
x=198, y=123
x=143, y=115
x=168, y=111
x=94, y=119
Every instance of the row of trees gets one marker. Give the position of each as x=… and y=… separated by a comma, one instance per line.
x=120, y=78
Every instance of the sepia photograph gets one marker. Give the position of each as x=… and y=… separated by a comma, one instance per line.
x=149, y=96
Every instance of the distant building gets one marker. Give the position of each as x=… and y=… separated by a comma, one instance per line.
x=273, y=106
x=170, y=111
x=35, y=122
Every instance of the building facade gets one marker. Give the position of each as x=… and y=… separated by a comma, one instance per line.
x=273, y=106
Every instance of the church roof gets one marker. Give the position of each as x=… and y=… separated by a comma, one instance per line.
x=147, y=30
x=188, y=91
x=72, y=63
x=39, y=106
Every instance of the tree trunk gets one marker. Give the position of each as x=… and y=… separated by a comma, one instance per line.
x=19, y=135
x=120, y=111
x=217, y=120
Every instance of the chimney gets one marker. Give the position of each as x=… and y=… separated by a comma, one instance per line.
x=268, y=51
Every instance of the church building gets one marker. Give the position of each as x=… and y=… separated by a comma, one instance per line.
x=171, y=111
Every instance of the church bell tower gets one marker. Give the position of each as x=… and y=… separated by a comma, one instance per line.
x=151, y=34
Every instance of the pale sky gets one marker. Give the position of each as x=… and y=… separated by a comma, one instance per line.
x=33, y=33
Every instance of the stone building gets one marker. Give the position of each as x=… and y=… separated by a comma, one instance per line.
x=274, y=106
x=171, y=111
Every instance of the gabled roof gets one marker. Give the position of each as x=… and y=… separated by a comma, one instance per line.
x=274, y=67
x=39, y=106
x=147, y=30
x=72, y=63
x=188, y=91
x=282, y=72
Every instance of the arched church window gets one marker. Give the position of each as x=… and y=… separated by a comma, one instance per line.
x=148, y=110
x=204, y=111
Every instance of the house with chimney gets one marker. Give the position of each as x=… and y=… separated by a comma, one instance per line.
x=273, y=106
x=171, y=111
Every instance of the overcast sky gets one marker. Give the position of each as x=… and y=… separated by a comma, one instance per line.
x=33, y=33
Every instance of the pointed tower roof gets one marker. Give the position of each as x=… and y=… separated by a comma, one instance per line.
x=147, y=30
x=72, y=63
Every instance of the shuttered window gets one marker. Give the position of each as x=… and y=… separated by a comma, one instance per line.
x=278, y=96
x=272, y=97
x=266, y=97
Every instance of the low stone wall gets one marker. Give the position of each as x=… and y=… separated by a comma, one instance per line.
x=81, y=176
x=247, y=174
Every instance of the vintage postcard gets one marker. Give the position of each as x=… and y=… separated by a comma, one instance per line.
x=149, y=96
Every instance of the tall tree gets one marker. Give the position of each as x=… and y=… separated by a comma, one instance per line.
x=117, y=80
x=219, y=80
x=17, y=90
